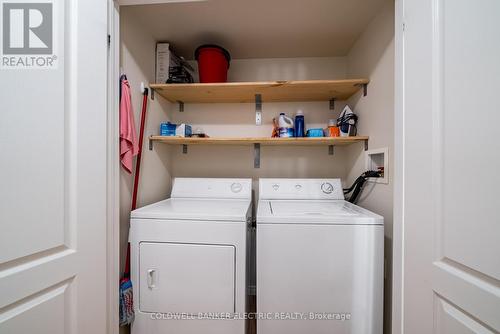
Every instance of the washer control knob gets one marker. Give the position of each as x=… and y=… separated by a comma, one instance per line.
x=276, y=186
x=327, y=188
x=298, y=186
x=236, y=187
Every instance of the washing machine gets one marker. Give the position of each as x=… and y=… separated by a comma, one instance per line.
x=189, y=258
x=320, y=260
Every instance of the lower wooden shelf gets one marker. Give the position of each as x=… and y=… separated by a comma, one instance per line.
x=267, y=141
x=257, y=142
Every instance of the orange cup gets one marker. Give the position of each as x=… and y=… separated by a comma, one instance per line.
x=333, y=131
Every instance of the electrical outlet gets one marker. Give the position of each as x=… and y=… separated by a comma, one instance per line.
x=258, y=118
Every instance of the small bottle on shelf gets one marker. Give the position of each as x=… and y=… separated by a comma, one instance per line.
x=333, y=130
x=299, y=124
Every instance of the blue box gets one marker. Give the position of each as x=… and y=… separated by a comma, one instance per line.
x=315, y=133
x=167, y=129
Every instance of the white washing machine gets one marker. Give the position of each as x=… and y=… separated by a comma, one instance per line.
x=320, y=260
x=189, y=258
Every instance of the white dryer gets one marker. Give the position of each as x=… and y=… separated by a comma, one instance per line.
x=320, y=260
x=189, y=258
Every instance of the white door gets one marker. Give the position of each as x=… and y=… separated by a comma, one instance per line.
x=448, y=198
x=53, y=166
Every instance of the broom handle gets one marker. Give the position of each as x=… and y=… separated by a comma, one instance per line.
x=139, y=154
x=137, y=172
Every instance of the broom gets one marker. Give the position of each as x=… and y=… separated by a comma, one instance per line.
x=126, y=295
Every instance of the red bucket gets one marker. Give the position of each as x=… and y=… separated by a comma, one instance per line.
x=213, y=63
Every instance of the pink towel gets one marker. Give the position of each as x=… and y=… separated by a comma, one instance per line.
x=128, y=138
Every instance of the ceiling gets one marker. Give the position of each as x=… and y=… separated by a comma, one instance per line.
x=258, y=28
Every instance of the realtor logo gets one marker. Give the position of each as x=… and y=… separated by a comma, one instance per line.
x=27, y=35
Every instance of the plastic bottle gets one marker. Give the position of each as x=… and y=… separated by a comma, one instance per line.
x=299, y=124
x=333, y=130
x=285, y=126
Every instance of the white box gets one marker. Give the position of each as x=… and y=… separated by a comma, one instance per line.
x=378, y=158
x=165, y=59
x=183, y=130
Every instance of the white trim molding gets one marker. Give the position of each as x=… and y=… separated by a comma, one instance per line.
x=399, y=167
x=113, y=169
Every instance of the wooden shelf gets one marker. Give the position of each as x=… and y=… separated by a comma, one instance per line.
x=271, y=91
x=265, y=141
x=257, y=142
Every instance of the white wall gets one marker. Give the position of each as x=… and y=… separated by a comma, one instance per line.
x=372, y=56
x=285, y=69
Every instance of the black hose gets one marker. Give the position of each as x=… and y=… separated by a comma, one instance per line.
x=357, y=186
x=348, y=190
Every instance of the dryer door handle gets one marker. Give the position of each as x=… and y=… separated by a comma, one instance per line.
x=152, y=278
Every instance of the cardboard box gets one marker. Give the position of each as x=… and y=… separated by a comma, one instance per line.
x=165, y=59
x=179, y=130
x=183, y=130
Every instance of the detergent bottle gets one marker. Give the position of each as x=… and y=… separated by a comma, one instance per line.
x=285, y=126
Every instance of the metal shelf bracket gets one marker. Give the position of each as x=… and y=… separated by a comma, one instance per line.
x=150, y=144
x=331, y=150
x=366, y=144
x=365, y=88
x=152, y=93
x=181, y=106
x=184, y=149
x=332, y=104
x=256, y=155
x=258, y=109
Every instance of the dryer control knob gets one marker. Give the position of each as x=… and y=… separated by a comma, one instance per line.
x=327, y=188
x=236, y=187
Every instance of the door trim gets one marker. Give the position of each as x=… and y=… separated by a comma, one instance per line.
x=113, y=170
x=399, y=167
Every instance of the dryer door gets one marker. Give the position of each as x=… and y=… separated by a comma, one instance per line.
x=186, y=278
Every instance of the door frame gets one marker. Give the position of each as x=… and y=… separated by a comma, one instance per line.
x=113, y=172
x=113, y=169
x=399, y=174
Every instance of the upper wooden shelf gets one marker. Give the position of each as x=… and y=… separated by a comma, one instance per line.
x=271, y=91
